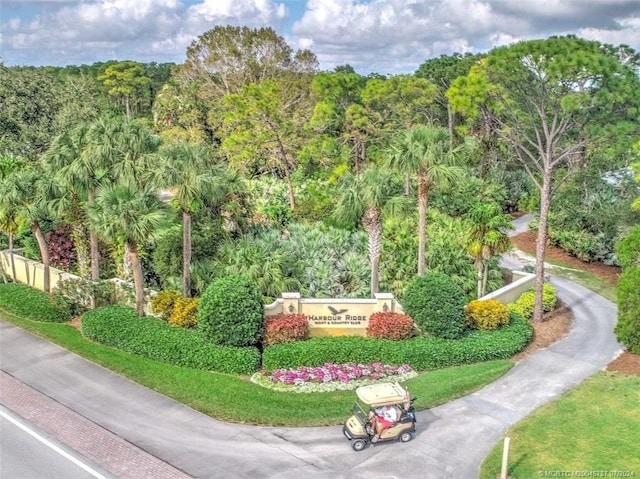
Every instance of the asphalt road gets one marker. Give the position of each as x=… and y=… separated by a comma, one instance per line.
x=26, y=453
x=131, y=431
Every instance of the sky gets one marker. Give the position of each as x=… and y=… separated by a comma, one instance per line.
x=373, y=36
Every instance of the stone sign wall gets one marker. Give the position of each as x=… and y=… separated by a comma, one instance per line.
x=334, y=317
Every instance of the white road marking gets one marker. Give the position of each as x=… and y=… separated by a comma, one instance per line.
x=48, y=443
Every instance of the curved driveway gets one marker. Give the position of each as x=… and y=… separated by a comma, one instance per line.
x=131, y=431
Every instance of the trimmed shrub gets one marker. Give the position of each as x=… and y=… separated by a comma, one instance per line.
x=282, y=328
x=163, y=303
x=31, y=303
x=524, y=305
x=486, y=315
x=76, y=294
x=422, y=353
x=120, y=327
x=628, y=249
x=436, y=304
x=549, y=297
x=185, y=312
x=231, y=312
x=628, y=328
x=394, y=326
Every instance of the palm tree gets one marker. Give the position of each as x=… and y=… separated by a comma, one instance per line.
x=425, y=152
x=27, y=193
x=8, y=215
x=126, y=150
x=188, y=170
x=363, y=198
x=486, y=238
x=128, y=214
x=70, y=158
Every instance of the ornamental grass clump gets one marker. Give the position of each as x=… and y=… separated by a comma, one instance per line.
x=331, y=377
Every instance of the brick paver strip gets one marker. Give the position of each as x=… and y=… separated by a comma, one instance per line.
x=112, y=453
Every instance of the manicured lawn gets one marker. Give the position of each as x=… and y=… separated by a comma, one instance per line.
x=235, y=399
x=595, y=427
x=586, y=279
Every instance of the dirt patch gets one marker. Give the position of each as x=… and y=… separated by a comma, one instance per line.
x=554, y=326
x=527, y=242
x=75, y=322
x=626, y=363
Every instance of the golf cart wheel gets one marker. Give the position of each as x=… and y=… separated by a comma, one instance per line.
x=358, y=445
x=406, y=436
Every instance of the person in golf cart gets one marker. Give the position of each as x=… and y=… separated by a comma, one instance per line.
x=390, y=416
x=382, y=418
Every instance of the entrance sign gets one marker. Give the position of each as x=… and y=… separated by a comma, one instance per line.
x=334, y=316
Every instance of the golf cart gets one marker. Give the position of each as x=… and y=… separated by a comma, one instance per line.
x=358, y=429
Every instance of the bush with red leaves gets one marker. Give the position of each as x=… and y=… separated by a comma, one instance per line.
x=393, y=326
x=61, y=252
x=285, y=327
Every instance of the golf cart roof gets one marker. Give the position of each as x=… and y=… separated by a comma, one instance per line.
x=380, y=394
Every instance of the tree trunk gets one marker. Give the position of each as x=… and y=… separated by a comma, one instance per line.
x=186, y=254
x=450, y=124
x=407, y=185
x=126, y=263
x=423, y=201
x=287, y=173
x=137, y=276
x=127, y=107
x=372, y=222
x=485, y=277
x=11, y=258
x=541, y=241
x=479, y=270
x=79, y=235
x=94, y=245
x=44, y=254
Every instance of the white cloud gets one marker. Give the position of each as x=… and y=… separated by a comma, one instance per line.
x=398, y=35
x=385, y=36
x=238, y=12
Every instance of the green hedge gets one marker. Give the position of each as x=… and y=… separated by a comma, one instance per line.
x=31, y=303
x=120, y=327
x=422, y=353
x=628, y=327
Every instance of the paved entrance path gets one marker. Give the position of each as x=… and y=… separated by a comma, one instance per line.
x=134, y=432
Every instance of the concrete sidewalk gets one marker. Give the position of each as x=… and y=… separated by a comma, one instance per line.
x=452, y=439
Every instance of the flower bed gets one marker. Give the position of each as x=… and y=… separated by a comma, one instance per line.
x=331, y=377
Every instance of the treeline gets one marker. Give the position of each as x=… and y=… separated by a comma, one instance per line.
x=545, y=126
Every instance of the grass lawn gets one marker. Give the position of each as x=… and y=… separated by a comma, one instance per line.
x=584, y=278
x=235, y=399
x=595, y=427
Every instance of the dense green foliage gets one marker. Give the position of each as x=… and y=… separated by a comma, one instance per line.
x=421, y=353
x=231, y=312
x=436, y=304
x=79, y=295
x=256, y=147
x=628, y=326
x=628, y=249
x=30, y=303
x=119, y=327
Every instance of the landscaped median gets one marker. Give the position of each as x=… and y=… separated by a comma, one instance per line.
x=234, y=398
